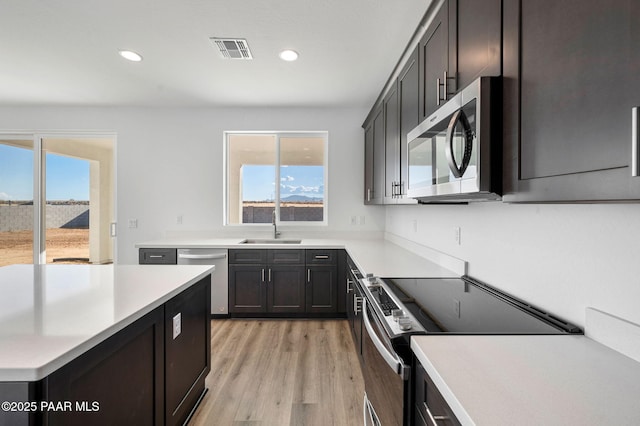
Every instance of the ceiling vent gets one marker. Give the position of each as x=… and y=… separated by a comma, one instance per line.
x=233, y=48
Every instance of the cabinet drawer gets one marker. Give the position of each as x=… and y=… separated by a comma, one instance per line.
x=288, y=256
x=322, y=256
x=157, y=256
x=252, y=256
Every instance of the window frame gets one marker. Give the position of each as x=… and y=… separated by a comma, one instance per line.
x=277, y=197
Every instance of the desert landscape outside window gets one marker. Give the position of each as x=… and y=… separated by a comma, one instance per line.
x=296, y=161
x=68, y=220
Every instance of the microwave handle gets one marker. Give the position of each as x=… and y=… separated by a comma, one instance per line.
x=458, y=170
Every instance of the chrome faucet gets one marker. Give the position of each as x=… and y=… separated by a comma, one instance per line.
x=275, y=228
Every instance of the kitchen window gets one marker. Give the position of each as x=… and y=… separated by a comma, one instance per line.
x=256, y=161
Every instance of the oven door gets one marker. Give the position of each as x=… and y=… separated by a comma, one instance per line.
x=385, y=375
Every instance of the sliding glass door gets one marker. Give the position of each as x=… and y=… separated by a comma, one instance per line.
x=69, y=218
x=16, y=200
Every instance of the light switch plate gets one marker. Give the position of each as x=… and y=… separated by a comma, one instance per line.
x=177, y=325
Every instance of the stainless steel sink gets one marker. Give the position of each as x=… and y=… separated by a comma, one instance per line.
x=270, y=241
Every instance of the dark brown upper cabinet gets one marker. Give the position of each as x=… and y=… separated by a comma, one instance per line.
x=462, y=42
x=374, y=158
x=437, y=63
x=571, y=78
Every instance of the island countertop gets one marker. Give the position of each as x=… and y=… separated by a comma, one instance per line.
x=51, y=314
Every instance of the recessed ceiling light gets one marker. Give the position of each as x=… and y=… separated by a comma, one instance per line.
x=288, y=55
x=131, y=56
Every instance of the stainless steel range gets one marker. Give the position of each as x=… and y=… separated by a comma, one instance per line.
x=430, y=306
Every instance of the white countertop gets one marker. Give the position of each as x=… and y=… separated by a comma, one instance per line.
x=50, y=314
x=378, y=256
x=532, y=380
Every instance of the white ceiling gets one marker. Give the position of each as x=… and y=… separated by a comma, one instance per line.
x=65, y=52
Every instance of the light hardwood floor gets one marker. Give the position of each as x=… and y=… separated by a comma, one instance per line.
x=282, y=372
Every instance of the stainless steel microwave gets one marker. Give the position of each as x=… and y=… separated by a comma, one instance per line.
x=455, y=154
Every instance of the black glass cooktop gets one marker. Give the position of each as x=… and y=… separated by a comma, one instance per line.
x=468, y=306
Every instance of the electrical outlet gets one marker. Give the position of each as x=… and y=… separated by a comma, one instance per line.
x=179, y=220
x=133, y=223
x=456, y=307
x=457, y=235
x=361, y=220
x=414, y=224
x=354, y=220
x=177, y=325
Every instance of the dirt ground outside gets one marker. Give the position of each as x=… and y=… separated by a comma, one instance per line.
x=17, y=246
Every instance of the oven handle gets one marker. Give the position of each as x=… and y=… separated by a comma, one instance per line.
x=390, y=358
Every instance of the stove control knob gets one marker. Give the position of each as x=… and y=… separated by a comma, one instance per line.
x=371, y=278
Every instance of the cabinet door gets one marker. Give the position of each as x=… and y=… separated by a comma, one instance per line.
x=322, y=287
x=479, y=39
x=286, y=289
x=124, y=375
x=434, y=63
x=368, y=163
x=429, y=402
x=409, y=100
x=187, y=353
x=571, y=79
x=247, y=289
x=392, y=145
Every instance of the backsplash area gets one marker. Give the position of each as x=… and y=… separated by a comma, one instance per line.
x=560, y=257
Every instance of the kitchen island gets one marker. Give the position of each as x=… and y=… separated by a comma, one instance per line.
x=89, y=344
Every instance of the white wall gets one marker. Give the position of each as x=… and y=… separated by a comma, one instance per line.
x=170, y=163
x=562, y=258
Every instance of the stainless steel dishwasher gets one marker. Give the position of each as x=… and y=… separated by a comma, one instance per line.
x=219, y=285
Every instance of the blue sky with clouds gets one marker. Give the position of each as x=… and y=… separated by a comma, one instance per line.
x=258, y=182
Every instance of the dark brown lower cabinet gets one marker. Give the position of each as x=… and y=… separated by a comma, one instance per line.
x=187, y=355
x=322, y=288
x=291, y=282
x=141, y=375
x=430, y=406
x=285, y=288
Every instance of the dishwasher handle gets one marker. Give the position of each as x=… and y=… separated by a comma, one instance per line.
x=201, y=256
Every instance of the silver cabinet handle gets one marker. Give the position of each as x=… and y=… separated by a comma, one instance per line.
x=156, y=256
x=368, y=194
x=308, y=275
x=321, y=256
x=446, y=89
x=356, y=300
x=434, y=419
x=262, y=274
x=635, y=142
x=269, y=274
x=349, y=284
